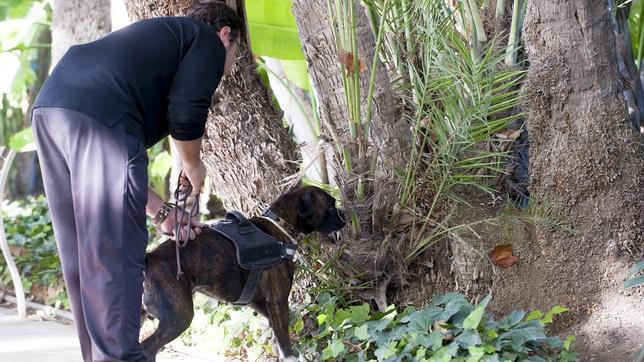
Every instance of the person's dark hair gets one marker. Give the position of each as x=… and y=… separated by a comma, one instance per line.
x=217, y=15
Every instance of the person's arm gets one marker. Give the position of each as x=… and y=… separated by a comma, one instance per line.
x=189, y=98
x=189, y=151
x=154, y=203
x=168, y=224
x=194, y=170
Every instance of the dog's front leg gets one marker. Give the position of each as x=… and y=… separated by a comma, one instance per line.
x=278, y=316
x=275, y=285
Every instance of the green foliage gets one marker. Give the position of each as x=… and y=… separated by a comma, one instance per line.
x=236, y=330
x=22, y=24
x=11, y=9
x=159, y=166
x=17, y=45
x=23, y=141
x=272, y=29
x=30, y=234
x=273, y=33
x=635, y=17
x=634, y=277
x=449, y=329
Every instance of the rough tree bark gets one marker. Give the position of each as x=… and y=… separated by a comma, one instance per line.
x=247, y=151
x=584, y=161
x=388, y=139
x=78, y=21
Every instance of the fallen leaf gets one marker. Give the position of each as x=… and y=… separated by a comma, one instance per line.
x=502, y=256
x=346, y=58
x=440, y=326
x=508, y=134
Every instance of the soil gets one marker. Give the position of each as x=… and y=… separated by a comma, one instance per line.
x=563, y=269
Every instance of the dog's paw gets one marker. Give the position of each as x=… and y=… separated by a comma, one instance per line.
x=289, y=359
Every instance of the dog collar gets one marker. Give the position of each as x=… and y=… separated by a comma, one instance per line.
x=279, y=223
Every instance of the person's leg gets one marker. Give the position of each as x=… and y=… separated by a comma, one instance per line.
x=57, y=183
x=108, y=171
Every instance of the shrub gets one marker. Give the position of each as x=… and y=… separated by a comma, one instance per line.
x=449, y=329
x=30, y=235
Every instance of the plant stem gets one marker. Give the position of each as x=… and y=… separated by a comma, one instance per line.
x=641, y=44
x=500, y=8
x=511, y=50
x=374, y=63
x=476, y=20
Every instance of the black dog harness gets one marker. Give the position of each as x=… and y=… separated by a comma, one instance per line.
x=255, y=249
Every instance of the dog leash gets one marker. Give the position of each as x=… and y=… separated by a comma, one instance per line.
x=181, y=199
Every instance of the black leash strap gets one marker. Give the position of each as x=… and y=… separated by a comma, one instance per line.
x=181, y=199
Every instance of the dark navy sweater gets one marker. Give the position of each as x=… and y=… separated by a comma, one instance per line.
x=157, y=76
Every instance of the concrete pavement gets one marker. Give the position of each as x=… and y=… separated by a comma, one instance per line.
x=36, y=340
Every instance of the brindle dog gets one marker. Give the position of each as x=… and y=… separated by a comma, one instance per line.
x=209, y=266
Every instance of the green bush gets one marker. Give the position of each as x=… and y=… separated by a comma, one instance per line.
x=31, y=237
x=238, y=331
x=30, y=234
x=449, y=329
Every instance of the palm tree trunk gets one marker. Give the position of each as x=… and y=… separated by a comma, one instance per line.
x=584, y=160
x=247, y=151
x=372, y=245
x=76, y=22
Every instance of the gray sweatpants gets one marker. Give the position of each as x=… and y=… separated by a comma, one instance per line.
x=95, y=179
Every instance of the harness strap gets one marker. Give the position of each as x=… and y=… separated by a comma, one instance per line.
x=249, y=288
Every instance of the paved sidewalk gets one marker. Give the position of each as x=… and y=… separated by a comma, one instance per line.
x=35, y=340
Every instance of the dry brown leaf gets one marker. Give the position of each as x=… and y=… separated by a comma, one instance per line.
x=406, y=218
x=502, y=256
x=508, y=134
x=440, y=326
x=346, y=58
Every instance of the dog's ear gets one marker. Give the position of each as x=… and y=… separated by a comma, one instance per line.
x=305, y=205
x=298, y=185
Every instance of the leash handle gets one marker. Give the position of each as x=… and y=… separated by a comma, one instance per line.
x=182, y=195
x=181, y=198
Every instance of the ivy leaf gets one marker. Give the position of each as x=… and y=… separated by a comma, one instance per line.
x=568, y=342
x=333, y=350
x=637, y=268
x=321, y=318
x=512, y=320
x=475, y=353
x=299, y=325
x=535, y=314
x=361, y=332
x=557, y=309
x=386, y=351
x=474, y=319
x=436, y=340
x=341, y=315
x=468, y=338
x=359, y=313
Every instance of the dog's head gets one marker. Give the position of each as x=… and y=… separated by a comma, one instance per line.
x=309, y=209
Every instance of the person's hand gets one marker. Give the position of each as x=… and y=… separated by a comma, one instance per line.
x=186, y=232
x=194, y=176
